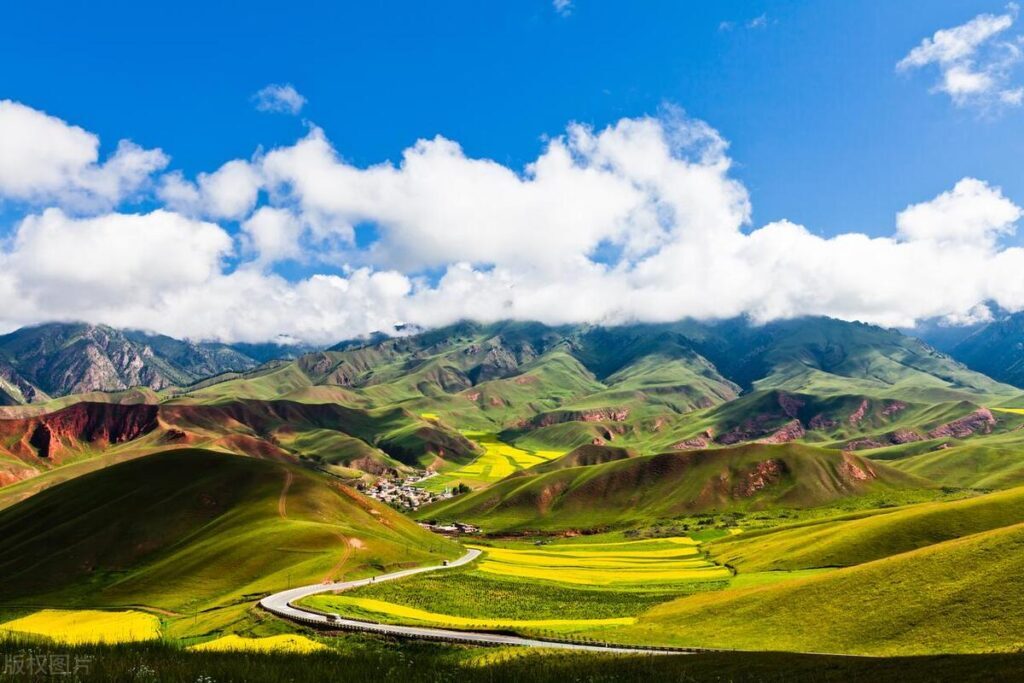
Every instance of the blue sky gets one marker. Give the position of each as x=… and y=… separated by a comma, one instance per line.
x=823, y=129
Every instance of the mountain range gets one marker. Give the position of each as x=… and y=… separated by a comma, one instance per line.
x=58, y=359
x=367, y=406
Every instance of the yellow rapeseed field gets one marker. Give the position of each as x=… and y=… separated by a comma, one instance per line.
x=612, y=563
x=646, y=543
x=594, y=561
x=605, y=577
x=87, y=626
x=413, y=614
x=283, y=643
x=498, y=460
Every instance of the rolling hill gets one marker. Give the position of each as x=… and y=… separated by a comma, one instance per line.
x=191, y=530
x=855, y=540
x=645, y=489
x=329, y=435
x=954, y=596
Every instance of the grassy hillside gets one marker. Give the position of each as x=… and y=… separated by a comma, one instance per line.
x=189, y=530
x=331, y=435
x=672, y=485
x=848, y=542
x=990, y=462
x=956, y=596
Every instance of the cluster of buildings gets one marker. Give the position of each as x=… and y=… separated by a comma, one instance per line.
x=454, y=528
x=404, y=494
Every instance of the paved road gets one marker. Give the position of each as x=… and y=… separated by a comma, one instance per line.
x=282, y=605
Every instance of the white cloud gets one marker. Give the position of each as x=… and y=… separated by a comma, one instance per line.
x=273, y=235
x=975, y=67
x=230, y=192
x=279, y=98
x=631, y=186
x=563, y=7
x=971, y=213
x=759, y=21
x=655, y=193
x=65, y=266
x=44, y=159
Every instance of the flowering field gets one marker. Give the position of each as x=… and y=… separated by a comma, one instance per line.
x=283, y=643
x=87, y=626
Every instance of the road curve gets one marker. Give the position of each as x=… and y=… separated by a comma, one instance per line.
x=282, y=605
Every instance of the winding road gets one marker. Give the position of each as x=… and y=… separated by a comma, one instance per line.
x=282, y=604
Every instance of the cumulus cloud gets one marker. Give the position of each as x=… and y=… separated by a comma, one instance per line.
x=279, y=98
x=67, y=267
x=230, y=192
x=634, y=186
x=637, y=221
x=44, y=159
x=971, y=213
x=273, y=235
x=975, y=67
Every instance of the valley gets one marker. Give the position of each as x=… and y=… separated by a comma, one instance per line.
x=698, y=486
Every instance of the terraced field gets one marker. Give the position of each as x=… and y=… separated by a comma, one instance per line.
x=498, y=460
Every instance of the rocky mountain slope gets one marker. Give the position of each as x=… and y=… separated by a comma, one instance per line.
x=38, y=363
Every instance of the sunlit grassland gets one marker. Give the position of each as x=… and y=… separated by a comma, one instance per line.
x=198, y=537
x=86, y=626
x=380, y=610
x=847, y=541
x=957, y=596
x=468, y=593
x=559, y=588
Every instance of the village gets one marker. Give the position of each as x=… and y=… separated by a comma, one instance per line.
x=406, y=494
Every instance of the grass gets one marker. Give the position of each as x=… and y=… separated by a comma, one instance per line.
x=846, y=542
x=374, y=660
x=987, y=462
x=667, y=486
x=558, y=588
x=380, y=610
x=200, y=536
x=86, y=626
x=956, y=596
x=473, y=594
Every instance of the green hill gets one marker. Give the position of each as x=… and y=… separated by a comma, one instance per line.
x=190, y=530
x=846, y=542
x=671, y=485
x=990, y=462
x=330, y=435
x=956, y=596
